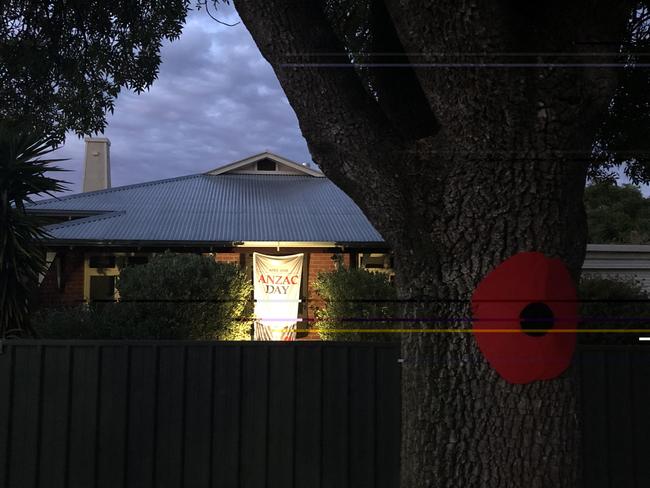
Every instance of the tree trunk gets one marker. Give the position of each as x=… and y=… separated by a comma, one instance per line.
x=462, y=425
x=498, y=168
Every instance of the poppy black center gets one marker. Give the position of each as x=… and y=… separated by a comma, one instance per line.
x=536, y=319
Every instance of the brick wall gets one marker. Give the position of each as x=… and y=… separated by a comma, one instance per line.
x=228, y=257
x=71, y=291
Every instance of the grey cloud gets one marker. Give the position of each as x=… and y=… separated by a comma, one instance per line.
x=216, y=100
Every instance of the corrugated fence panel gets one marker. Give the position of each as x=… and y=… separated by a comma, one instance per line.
x=281, y=418
x=170, y=416
x=362, y=418
x=308, y=453
x=24, y=441
x=6, y=387
x=54, y=420
x=615, y=388
x=316, y=415
x=84, y=404
x=112, y=427
x=226, y=415
x=198, y=417
x=253, y=454
x=594, y=418
x=640, y=365
x=619, y=407
x=141, y=417
x=335, y=417
x=388, y=417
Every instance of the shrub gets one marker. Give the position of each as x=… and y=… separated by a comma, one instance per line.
x=610, y=290
x=77, y=322
x=173, y=296
x=210, y=298
x=355, y=299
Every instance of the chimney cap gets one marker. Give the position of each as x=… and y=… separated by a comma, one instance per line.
x=98, y=139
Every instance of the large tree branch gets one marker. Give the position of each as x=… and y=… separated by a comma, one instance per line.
x=348, y=135
x=399, y=91
x=471, y=54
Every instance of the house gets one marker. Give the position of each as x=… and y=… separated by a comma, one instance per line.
x=262, y=204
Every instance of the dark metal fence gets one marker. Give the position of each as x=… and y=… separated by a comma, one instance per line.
x=615, y=391
x=138, y=414
x=187, y=414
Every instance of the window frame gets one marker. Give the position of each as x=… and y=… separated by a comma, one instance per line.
x=111, y=271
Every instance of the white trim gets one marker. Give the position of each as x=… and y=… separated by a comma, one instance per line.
x=50, y=256
x=90, y=272
x=265, y=155
x=616, y=264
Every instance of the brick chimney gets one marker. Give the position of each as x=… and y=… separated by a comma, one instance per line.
x=97, y=164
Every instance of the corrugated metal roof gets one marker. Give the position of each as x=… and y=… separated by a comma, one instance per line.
x=223, y=208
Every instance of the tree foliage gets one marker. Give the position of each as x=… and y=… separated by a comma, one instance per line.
x=22, y=259
x=617, y=214
x=622, y=140
x=355, y=299
x=62, y=64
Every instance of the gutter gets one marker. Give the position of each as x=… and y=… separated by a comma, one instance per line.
x=50, y=212
x=234, y=245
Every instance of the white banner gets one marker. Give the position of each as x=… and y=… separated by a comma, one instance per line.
x=276, y=281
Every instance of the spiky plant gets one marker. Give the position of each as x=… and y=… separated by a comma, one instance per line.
x=22, y=258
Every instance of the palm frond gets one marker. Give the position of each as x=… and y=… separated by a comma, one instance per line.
x=23, y=169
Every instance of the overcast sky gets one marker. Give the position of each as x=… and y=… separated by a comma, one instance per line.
x=216, y=100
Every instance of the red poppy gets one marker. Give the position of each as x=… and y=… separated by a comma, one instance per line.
x=528, y=294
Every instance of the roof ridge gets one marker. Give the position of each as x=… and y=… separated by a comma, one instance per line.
x=114, y=189
x=256, y=175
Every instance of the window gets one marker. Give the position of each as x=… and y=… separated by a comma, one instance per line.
x=266, y=165
x=378, y=263
x=375, y=261
x=101, y=261
x=102, y=288
x=101, y=271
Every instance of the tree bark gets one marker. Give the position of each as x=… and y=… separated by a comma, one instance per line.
x=515, y=100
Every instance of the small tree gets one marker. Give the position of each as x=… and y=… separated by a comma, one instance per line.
x=606, y=303
x=617, y=214
x=22, y=259
x=193, y=293
x=355, y=299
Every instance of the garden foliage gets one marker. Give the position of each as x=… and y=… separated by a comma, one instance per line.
x=173, y=296
x=612, y=303
x=356, y=299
